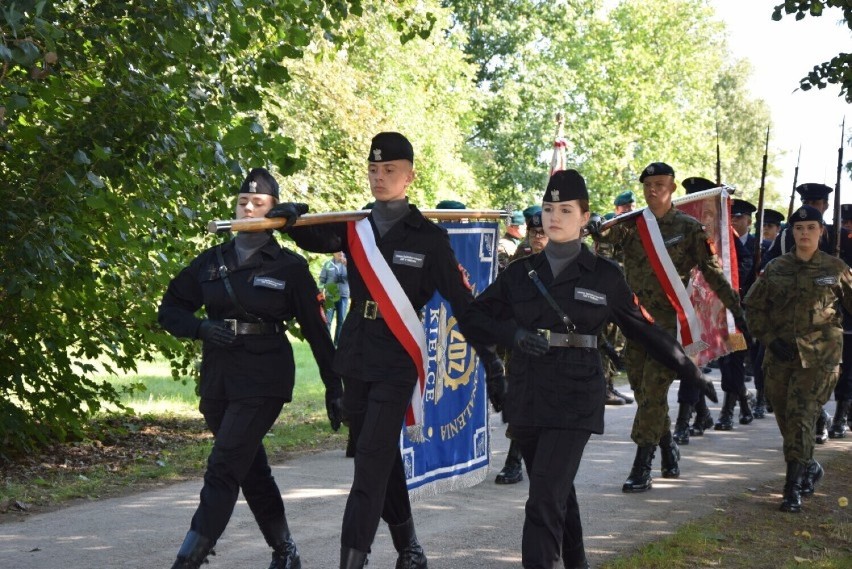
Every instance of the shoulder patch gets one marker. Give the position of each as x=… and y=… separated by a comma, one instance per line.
x=645, y=314
x=711, y=246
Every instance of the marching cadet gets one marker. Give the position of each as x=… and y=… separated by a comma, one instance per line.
x=249, y=287
x=508, y=244
x=732, y=366
x=688, y=246
x=794, y=309
x=843, y=391
x=550, y=308
x=400, y=260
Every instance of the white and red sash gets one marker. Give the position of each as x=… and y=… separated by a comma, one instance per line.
x=395, y=308
x=688, y=325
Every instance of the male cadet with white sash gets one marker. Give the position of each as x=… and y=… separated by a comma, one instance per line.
x=816, y=196
x=681, y=244
x=397, y=260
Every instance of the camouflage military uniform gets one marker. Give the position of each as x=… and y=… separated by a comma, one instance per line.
x=797, y=301
x=688, y=246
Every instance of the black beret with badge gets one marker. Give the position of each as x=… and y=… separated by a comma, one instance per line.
x=697, y=184
x=260, y=181
x=846, y=212
x=806, y=213
x=770, y=216
x=387, y=146
x=565, y=186
x=656, y=169
x=812, y=191
x=741, y=207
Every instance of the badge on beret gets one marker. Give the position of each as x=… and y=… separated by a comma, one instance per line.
x=252, y=187
x=377, y=154
x=554, y=195
x=803, y=213
x=650, y=170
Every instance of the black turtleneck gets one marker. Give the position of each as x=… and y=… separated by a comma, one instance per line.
x=560, y=255
x=247, y=243
x=386, y=214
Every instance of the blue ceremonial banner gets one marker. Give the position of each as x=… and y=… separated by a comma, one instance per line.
x=455, y=450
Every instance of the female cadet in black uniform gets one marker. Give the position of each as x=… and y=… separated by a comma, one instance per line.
x=249, y=287
x=550, y=308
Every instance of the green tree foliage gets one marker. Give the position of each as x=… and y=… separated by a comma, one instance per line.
x=837, y=71
x=639, y=81
x=124, y=123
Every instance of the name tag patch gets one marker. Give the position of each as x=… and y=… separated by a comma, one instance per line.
x=673, y=240
x=266, y=282
x=825, y=281
x=590, y=296
x=409, y=259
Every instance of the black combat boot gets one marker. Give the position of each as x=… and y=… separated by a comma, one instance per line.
x=745, y=409
x=405, y=542
x=759, y=410
x=681, y=428
x=193, y=552
x=352, y=558
x=639, y=479
x=627, y=398
x=669, y=455
x=813, y=474
x=726, y=415
x=822, y=422
x=793, y=488
x=513, y=471
x=703, y=418
x=285, y=554
x=841, y=415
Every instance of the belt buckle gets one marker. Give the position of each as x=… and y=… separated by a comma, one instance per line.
x=371, y=310
x=231, y=324
x=544, y=333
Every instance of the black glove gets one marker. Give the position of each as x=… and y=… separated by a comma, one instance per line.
x=216, y=333
x=495, y=381
x=334, y=409
x=290, y=210
x=594, y=225
x=609, y=351
x=708, y=389
x=782, y=350
x=531, y=343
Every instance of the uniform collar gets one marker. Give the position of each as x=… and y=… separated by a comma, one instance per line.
x=585, y=260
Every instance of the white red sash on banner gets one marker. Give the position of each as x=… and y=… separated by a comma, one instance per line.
x=689, y=328
x=395, y=308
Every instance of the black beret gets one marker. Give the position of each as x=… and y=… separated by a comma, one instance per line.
x=564, y=186
x=656, y=169
x=772, y=216
x=846, y=211
x=742, y=207
x=450, y=204
x=260, y=181
x=388, y=146
x=813, y=191
x=534, y=222
x=696, y=184
x=806, y=213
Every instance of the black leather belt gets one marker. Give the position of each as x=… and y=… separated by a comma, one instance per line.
x=367, y=308
x=557, y=340
x=254, y=328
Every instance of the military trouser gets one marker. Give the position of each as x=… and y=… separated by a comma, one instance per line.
x=797, y=394
x=733, y=372
x=552, y=526
x=379, y=490
x=238, y=460
x=650, y=381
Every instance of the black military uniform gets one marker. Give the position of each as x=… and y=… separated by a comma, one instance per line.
x=378, y=374
x=555, y=397
x=247, y=371
x=732, y=366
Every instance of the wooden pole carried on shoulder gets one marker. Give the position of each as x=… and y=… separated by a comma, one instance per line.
x=264, y=223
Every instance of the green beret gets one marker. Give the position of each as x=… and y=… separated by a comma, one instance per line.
x=624, y=198
x=531, y=211
x=516, y=218
x=450, y=204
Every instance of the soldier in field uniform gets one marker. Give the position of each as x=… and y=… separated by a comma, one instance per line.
x=794, y=308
